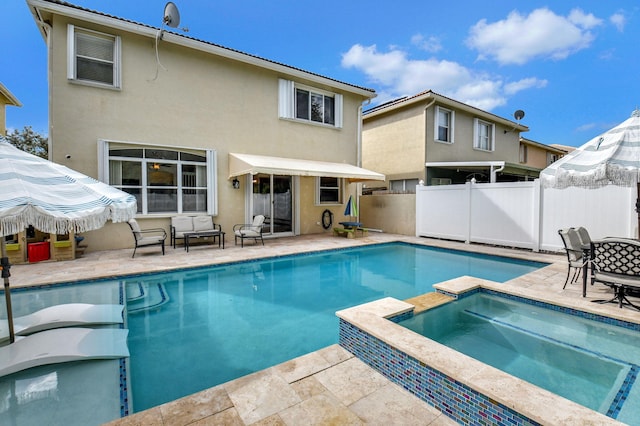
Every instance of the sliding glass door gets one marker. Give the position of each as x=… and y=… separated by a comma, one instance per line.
x=273, y=198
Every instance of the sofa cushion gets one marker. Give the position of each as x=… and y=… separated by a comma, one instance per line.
x=181, y=224
x=202, y=223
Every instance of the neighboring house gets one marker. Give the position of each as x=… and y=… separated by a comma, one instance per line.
x=191, y=127
x=6, y=98
x=429, y=137
x=539, y=155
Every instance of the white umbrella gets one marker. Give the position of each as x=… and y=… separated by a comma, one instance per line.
x=54, y=199
x=610, y=158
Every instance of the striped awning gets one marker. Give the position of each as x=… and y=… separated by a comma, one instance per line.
x=242, y=164
x=610, y=158
x=54, y=198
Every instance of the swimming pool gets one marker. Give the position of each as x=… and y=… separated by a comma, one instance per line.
x=201, y=327
x=589, y=362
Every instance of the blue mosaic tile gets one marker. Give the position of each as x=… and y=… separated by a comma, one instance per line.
x=451, y=397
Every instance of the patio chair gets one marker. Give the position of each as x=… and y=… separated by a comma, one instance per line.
x=615, y=262
x=251, y=230
x=583, y=234
x=147, y=237
x=574, y=250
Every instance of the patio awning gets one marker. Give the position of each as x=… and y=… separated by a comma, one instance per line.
x=242, y=164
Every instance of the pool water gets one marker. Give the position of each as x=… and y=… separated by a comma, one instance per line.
x=223, y=322
x=196, y=328
x=589, y=362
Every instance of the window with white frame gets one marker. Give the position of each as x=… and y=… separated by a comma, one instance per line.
x=163, y=179
x=328, y=190
x=93, y=57
x=524, y=152
x=483, y=135
x=552, y=158
x=444, y=125
x=403, y=185
x=305, y=103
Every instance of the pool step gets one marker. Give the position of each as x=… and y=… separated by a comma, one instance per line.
x=428, y=301
x=145, y=296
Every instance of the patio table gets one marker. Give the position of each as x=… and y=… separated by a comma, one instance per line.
x=204, y=234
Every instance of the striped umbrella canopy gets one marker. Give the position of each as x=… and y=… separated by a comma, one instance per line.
x=610, y=158
x=52, y=198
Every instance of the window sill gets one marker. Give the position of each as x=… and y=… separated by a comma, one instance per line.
x=95, y=84
x=311, y=123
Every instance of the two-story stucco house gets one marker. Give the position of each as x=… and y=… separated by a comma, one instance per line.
x=539, y=155
x=431, y=138
x=191, y=127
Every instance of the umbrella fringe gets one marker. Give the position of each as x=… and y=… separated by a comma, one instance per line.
x=603, y=175
x=31, y=216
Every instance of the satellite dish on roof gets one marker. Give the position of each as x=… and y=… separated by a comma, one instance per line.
x=519, y=114
x=171, y=15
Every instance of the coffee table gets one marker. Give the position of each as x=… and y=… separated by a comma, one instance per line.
x=203, y=234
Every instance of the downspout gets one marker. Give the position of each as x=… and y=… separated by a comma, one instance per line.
x=426, y=133
x=47, y=30
x=359, y=138
x=359, y=154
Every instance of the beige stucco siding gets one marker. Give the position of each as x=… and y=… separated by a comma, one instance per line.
x=399, y=142
x=536, y=157
x=200, y=101
x=395, y=144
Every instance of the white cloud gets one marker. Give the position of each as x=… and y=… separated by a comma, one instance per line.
x=618, y=20
x=525, y=83
x=541, y=34
x=586, y=127
x=431, y=44
x=400, y=76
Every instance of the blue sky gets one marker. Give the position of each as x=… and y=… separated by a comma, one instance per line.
x=573, y=67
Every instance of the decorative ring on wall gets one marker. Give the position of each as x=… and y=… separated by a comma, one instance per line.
x=327, y=219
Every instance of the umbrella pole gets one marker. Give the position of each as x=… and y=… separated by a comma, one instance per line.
x=4, y=268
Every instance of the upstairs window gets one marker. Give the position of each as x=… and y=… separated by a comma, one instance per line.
x=552, y=158
x=483, y=135
x=308, y=104
x=524, y=152
x=315, y=107
x=93, y=57
x=444, y=125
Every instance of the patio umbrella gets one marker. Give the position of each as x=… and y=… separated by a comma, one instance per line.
x=351, y=209
x=610, y=158
x=53, y=199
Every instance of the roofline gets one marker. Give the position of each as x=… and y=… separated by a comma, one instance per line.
x=543, y=145
x=431, y=95
x=80, y=13
x=7, y=94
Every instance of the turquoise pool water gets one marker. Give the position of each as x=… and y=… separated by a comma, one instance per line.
x=224, y=322
x=193, y=329
x=592, y=363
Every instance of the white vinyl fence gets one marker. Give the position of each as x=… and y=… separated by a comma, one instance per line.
x=522, y=214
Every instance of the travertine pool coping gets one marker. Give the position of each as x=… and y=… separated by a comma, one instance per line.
x=529, y=400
